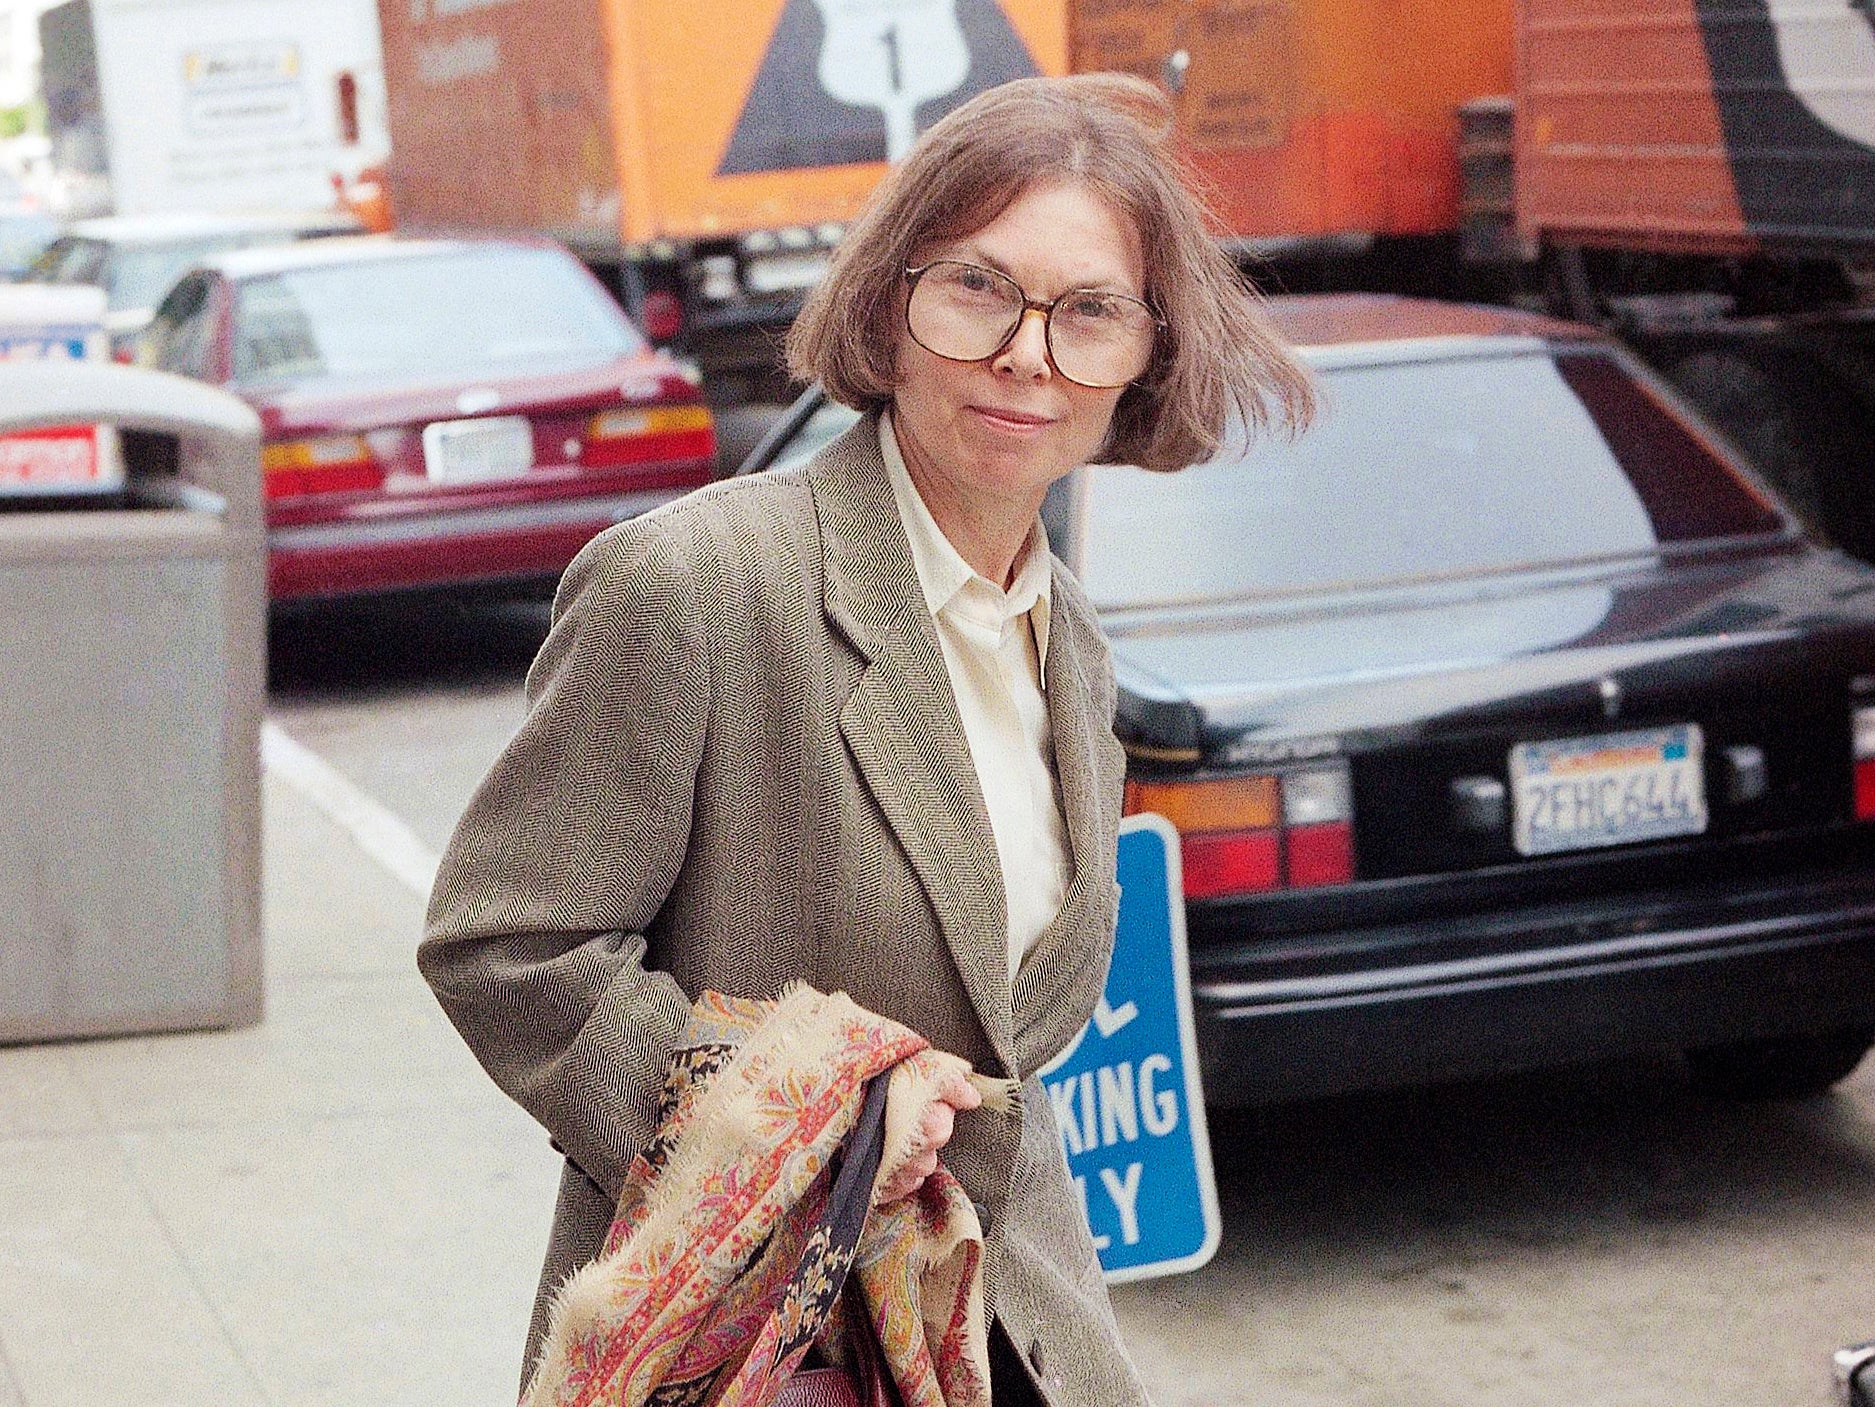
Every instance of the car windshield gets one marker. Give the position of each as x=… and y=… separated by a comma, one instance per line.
x=1420, y=469
x=827, y=423
x=432, y=316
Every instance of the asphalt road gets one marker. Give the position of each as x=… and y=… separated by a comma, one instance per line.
x=1602, y=1236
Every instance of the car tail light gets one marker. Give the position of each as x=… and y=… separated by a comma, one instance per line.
x=1232, y=862
x=1229, y=826
x=1252, y=834
x=1321, y=854
x=1864, y=753
x=663, y=314
x=323, y=464
x=1318, y=833
x=657, y=432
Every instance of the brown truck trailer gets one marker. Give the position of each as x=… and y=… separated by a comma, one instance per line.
x=1699, y=175
x=1712, y=127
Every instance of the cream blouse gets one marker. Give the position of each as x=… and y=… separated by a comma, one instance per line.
x=994, y=643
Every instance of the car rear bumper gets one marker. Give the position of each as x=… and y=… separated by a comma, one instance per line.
x=461, y=547
x=1789, y=960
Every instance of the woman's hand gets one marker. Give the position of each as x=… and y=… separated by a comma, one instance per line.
x=929, y=1134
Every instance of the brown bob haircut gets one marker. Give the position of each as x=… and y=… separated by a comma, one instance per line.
x=1216, y=359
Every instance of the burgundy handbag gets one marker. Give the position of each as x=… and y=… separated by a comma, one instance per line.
x=819, y=1387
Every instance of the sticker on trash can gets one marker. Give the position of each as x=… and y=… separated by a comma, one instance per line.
x=1125, y=1094
x=60, y=459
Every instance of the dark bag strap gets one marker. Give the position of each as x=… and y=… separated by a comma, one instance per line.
x=820, y=1283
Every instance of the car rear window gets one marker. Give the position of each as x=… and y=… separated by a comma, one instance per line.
x=23, y=238
x=1421, y=469
x=430, y=317
x=138, y=275
x=70, y=259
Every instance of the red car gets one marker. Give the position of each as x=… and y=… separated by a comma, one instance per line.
x=435, y=412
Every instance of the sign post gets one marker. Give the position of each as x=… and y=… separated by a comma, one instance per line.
x=1125, y=1092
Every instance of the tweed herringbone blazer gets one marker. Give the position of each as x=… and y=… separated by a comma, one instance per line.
x=742, y=764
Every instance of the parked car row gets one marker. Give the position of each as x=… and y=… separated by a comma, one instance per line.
x=1507, y=720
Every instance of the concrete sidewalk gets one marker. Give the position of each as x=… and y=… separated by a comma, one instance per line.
x=337, y=1207
x=333, y=1207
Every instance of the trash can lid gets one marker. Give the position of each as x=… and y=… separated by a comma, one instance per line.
x=131, y=398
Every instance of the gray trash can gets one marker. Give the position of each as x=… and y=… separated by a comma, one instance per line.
x=133, y=661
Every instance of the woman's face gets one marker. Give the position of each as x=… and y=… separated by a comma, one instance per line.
x=1006, y=427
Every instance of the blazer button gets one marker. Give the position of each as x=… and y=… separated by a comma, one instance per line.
x=1038, y=1360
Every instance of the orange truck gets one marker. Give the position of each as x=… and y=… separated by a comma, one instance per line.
x=1319, y=124
x=704, y=156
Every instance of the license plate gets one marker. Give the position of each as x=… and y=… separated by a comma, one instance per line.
x=470, y=451
x=1610, y=789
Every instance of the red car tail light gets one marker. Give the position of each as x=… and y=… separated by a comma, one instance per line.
x=642, y=436
x=1252, y=834
x=1231, y=862
x=663, y=314
x=1228, y=827
x=1863, y=722
x=1318, y=855
x=322, y=464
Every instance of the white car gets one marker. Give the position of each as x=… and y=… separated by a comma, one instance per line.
x=136, y=259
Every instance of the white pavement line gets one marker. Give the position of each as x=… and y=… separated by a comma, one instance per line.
x=379, y=832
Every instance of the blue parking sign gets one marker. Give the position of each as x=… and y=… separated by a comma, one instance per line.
x=1125, y=1092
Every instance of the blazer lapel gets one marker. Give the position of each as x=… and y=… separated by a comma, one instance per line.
x=901, y=721
x=1065, y=954
x=1076, y=733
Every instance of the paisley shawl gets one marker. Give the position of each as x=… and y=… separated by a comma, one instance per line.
x=741, y=1219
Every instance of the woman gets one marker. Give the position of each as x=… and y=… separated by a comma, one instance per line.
x=852, y=724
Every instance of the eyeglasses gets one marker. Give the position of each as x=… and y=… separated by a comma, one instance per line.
x=967, y=313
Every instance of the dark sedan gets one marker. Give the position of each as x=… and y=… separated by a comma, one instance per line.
x=1507, y=720
x=436, y=412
